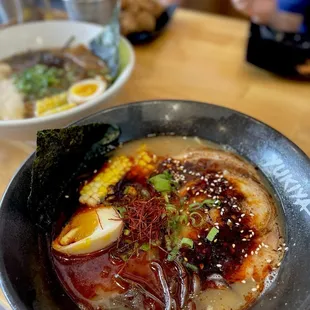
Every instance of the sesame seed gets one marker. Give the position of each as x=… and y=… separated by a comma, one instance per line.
x=242, y=231
x=219, y=265
x=279, y=264
x=243, y=281
x=200, y=243
x=252, y=252
x=268, y=261
x=254, y=289
x=66, y=196
x=233, y=245
x=245, y=255
x=185, y=258
x=244, y=239
x=251, y=214
x=286, y=249
x=242, y=215
x=95, y=171
x=188, y=188
x=257, y=286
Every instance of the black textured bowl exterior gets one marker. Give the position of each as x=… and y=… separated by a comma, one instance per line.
x=30, y=283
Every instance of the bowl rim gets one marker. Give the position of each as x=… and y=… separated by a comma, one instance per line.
x=10, y=294
x=120, y=80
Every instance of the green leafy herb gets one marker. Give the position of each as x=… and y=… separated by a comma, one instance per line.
x=188, y=242
x=212, y=234
x=191, y=267
x=145, y=247
x=163, y=182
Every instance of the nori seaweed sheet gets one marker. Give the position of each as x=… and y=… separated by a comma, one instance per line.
x=62, y=156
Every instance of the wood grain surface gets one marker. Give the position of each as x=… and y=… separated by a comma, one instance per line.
x=201, y=57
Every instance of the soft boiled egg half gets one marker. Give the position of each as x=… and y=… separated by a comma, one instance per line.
x=86, y=90
x=88, y=231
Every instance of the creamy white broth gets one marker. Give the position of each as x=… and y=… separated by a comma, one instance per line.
x=240, y=293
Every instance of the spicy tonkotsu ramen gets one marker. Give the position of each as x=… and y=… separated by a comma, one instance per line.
x=170, y=223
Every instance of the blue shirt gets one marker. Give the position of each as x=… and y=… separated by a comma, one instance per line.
x=297, y=6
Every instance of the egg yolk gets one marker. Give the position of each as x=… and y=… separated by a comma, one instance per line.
x=85, y=90
x=80, y=226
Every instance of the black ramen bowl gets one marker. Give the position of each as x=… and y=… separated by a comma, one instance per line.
x=30, y=283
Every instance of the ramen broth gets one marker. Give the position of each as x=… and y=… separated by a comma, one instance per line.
x=102, y=280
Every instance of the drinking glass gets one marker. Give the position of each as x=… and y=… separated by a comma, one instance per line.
x=11, y=12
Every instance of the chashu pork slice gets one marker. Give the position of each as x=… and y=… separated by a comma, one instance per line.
x=257, y=201
x=245, y=179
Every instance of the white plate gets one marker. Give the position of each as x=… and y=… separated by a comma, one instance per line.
x=53, y=34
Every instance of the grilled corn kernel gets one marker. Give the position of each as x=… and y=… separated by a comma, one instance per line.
x=145, y=160
x=93, y=192
x=46, y=105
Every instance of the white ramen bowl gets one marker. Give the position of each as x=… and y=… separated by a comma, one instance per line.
x=54, y=34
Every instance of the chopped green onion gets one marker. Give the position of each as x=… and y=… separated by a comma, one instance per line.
x=192, y=267
x=194, y=206
x=126, y=191
x=126, y=232
x=145, y=193
x=212, y=234
x=173, y=254
x=166, y=197
x=183, y=219
x=155, y=243
x=145, y=247
x=209, y=202
x=121, y=211
x=168, y=243
x=171, y=208
x=194, y=221
x=188, y=242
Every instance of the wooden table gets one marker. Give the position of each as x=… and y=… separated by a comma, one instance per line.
x=201, y=57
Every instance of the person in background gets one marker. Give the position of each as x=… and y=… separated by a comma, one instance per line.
x=282, y=15
x=287, y=16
